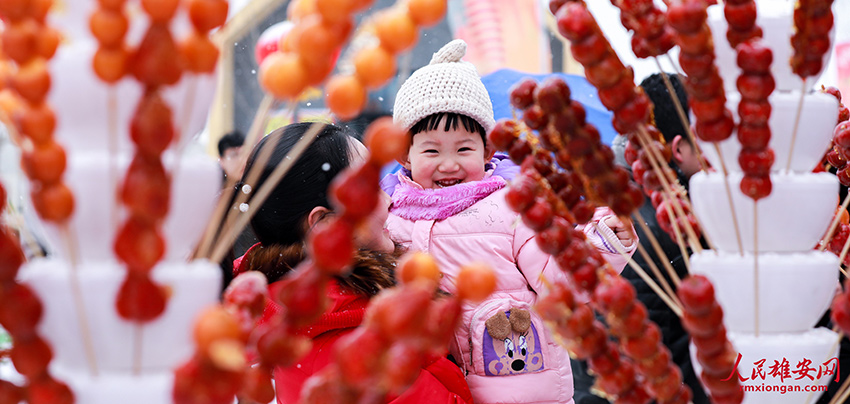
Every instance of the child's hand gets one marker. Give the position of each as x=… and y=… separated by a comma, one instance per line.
x=624, y=233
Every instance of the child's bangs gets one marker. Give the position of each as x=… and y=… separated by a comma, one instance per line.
x=453, y=121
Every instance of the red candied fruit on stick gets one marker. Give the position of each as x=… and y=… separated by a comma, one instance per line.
x=522, y=93
x=332, y=247
x=687, y=16
x=553, y=95
x=11, y=256
x=20, y=310
x=356, y=191
x=385, y=141
x=504, y=134
x=522, y=193
x=756, y=187
x=575, y=22
x=140, y=299
x=697, y=294
x=615, y=295
x=841, y=311
x=248, y=290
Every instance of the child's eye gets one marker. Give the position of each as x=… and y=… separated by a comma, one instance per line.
x=430, y=151
x=463, y=149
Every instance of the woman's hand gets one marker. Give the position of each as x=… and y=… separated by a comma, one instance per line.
x=624, y=233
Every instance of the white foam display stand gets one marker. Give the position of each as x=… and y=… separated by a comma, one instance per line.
x=795, y=283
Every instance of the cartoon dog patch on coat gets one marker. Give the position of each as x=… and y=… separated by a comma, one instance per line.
x=511, y=344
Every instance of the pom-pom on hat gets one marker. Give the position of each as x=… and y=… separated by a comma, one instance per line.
x=446, y=84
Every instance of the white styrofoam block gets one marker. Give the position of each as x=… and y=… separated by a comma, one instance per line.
x=775, y=17
x=98, y=214
x=817, y=345
x=812, y=278
x=817, y=123
x=118, y=387
x=165, y=342
x=792, y=218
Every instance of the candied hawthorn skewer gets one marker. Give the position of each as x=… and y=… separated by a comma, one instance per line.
x=813, y=20
x=651, y=36
x=755, y=84
x=109, y=24
x=565, y=134
x=20, y=313
x=30, y=43
x=396, y=30
x=741, y=19
x=578, y=330
x=618, y=93
x=528, y=195
x=714, y=122
x=837, y=157
x=703, y=319
x=404, y=328
x=145, y=190
x=640, y=340
x=565, y=184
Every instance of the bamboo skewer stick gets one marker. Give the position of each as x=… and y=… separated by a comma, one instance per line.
x=835, y=220
x=676, y=308
x=665, y=261
x=682, y=116
x=842, y=394
x=137, y=349
x=255, y=131
x=250, y=179
x=210, y=233
x=796, y=125
x=678, y=234
x=658, y=168
x=655, y=288
x=657, y=273
x=756, y=265
x=212, y=225
x=729, y=197
x=230, y=233
x=77, y=293
x=675, y=66
x=668, y=179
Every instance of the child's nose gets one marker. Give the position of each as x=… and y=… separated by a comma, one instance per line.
x=448, y=165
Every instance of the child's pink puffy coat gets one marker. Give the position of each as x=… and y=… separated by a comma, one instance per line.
x=505, y=359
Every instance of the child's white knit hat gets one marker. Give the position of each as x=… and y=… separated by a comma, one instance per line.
x=447, y=84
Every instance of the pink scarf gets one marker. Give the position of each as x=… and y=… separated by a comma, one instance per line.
x=412, y=202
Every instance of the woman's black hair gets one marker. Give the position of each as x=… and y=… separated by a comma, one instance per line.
x=453, y=120
x=281, y=222
x=281, y=218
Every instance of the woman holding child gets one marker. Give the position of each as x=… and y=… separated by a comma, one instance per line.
x=282, y=224
x=448, y=201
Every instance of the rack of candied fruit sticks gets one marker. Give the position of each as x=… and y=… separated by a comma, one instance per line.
x=552, y=198
x=101, y=306
x=762, y=323
x=116, y=323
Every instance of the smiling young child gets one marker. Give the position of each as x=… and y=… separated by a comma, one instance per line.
x=449, y=201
